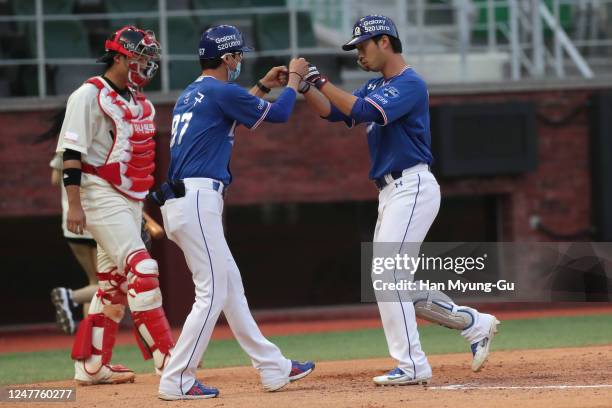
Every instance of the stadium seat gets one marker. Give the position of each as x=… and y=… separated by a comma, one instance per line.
x=268, y=3
x=179, y=5
x=26, y=81
x=212, y=4
x=67, y=78
x=183, y=36
x=272, y=31
x=25, y=7
x=182, y=73
x=123, y=6
x=66, y=39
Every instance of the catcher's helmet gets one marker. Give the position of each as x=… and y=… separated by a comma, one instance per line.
x=135, y=44
x=368, y=27
x=132, y=41
x=220, y=40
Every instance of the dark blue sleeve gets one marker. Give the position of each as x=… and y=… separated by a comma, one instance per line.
x=281, y=109
x=239, y=105
x=336, y=116
x=395, y=101
x=365, y=112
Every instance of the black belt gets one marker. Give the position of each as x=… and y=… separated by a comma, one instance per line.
x=167, y=191
x=382, y=183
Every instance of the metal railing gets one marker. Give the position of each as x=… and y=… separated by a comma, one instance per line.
x=162, y=14
x=532, y=33
x=531, y=36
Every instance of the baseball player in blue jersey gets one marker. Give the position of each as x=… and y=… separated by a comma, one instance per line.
x=395, y=108
x=204, y=119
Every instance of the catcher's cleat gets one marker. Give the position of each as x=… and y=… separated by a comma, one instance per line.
x=62, y=300
x=397, y=376
x=107, y=374
x=197, y=391
x=481, y=349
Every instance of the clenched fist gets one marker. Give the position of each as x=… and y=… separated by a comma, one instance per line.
x=276, y=77
x=299, y=66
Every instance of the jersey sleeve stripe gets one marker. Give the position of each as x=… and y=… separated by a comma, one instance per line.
x=263, y=116
x=377, y=106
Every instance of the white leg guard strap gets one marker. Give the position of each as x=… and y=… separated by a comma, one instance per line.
x=436, y=307
x=144, y=297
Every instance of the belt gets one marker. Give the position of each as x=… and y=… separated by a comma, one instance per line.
x=207, y=183
x=383, y=181
x=167, y=191
x=176, y=188
x=389, y=178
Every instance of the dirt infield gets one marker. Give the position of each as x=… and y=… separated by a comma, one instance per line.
x=559, y=378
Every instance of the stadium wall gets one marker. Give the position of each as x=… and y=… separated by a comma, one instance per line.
x=310, y=160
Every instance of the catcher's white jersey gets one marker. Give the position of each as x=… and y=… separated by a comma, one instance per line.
x=86, y=129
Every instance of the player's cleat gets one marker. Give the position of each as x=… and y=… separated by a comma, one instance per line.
x=481, y=349
x=197, y=391
x=108, y=374
x=62, y=300
x=298, y=371
x=397, y=376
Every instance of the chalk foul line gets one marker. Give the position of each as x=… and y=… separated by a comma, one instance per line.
x=518, y=387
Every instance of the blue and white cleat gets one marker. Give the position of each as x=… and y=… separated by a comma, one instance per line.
x=197, y=391
x=481, y=349
x=298, y=371
x=397, y=376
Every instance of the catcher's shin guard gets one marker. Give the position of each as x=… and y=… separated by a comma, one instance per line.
x=95, y=338
x=144, y=297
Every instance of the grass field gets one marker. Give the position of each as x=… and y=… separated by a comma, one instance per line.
x=18, y=368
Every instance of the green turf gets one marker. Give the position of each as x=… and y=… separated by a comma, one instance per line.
x=515, y=334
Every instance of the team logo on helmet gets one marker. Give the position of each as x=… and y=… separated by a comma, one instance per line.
x=220, y=40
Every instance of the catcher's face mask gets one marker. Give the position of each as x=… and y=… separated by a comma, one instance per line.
x=142, y=51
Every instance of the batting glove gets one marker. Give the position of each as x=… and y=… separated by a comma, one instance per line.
x=314, y=77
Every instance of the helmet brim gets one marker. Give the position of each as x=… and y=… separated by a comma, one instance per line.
x=351, y=45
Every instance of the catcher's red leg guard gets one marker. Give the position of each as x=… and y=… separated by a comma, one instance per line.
x=144, y=297
x=96, y=335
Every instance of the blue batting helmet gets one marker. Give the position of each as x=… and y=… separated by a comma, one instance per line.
x=219, y=40
x=368, y=27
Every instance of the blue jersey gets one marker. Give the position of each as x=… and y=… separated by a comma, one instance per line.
x=203, y=123
x=401, y=139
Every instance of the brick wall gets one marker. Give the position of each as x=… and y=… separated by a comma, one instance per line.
x=309, y=159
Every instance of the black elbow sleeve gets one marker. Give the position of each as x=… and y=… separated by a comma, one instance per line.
x=70, y=154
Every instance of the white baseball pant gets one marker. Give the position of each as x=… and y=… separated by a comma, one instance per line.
x=194, y=223
x=406, y=210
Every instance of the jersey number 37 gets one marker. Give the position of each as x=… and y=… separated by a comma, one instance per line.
x=177, y=120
